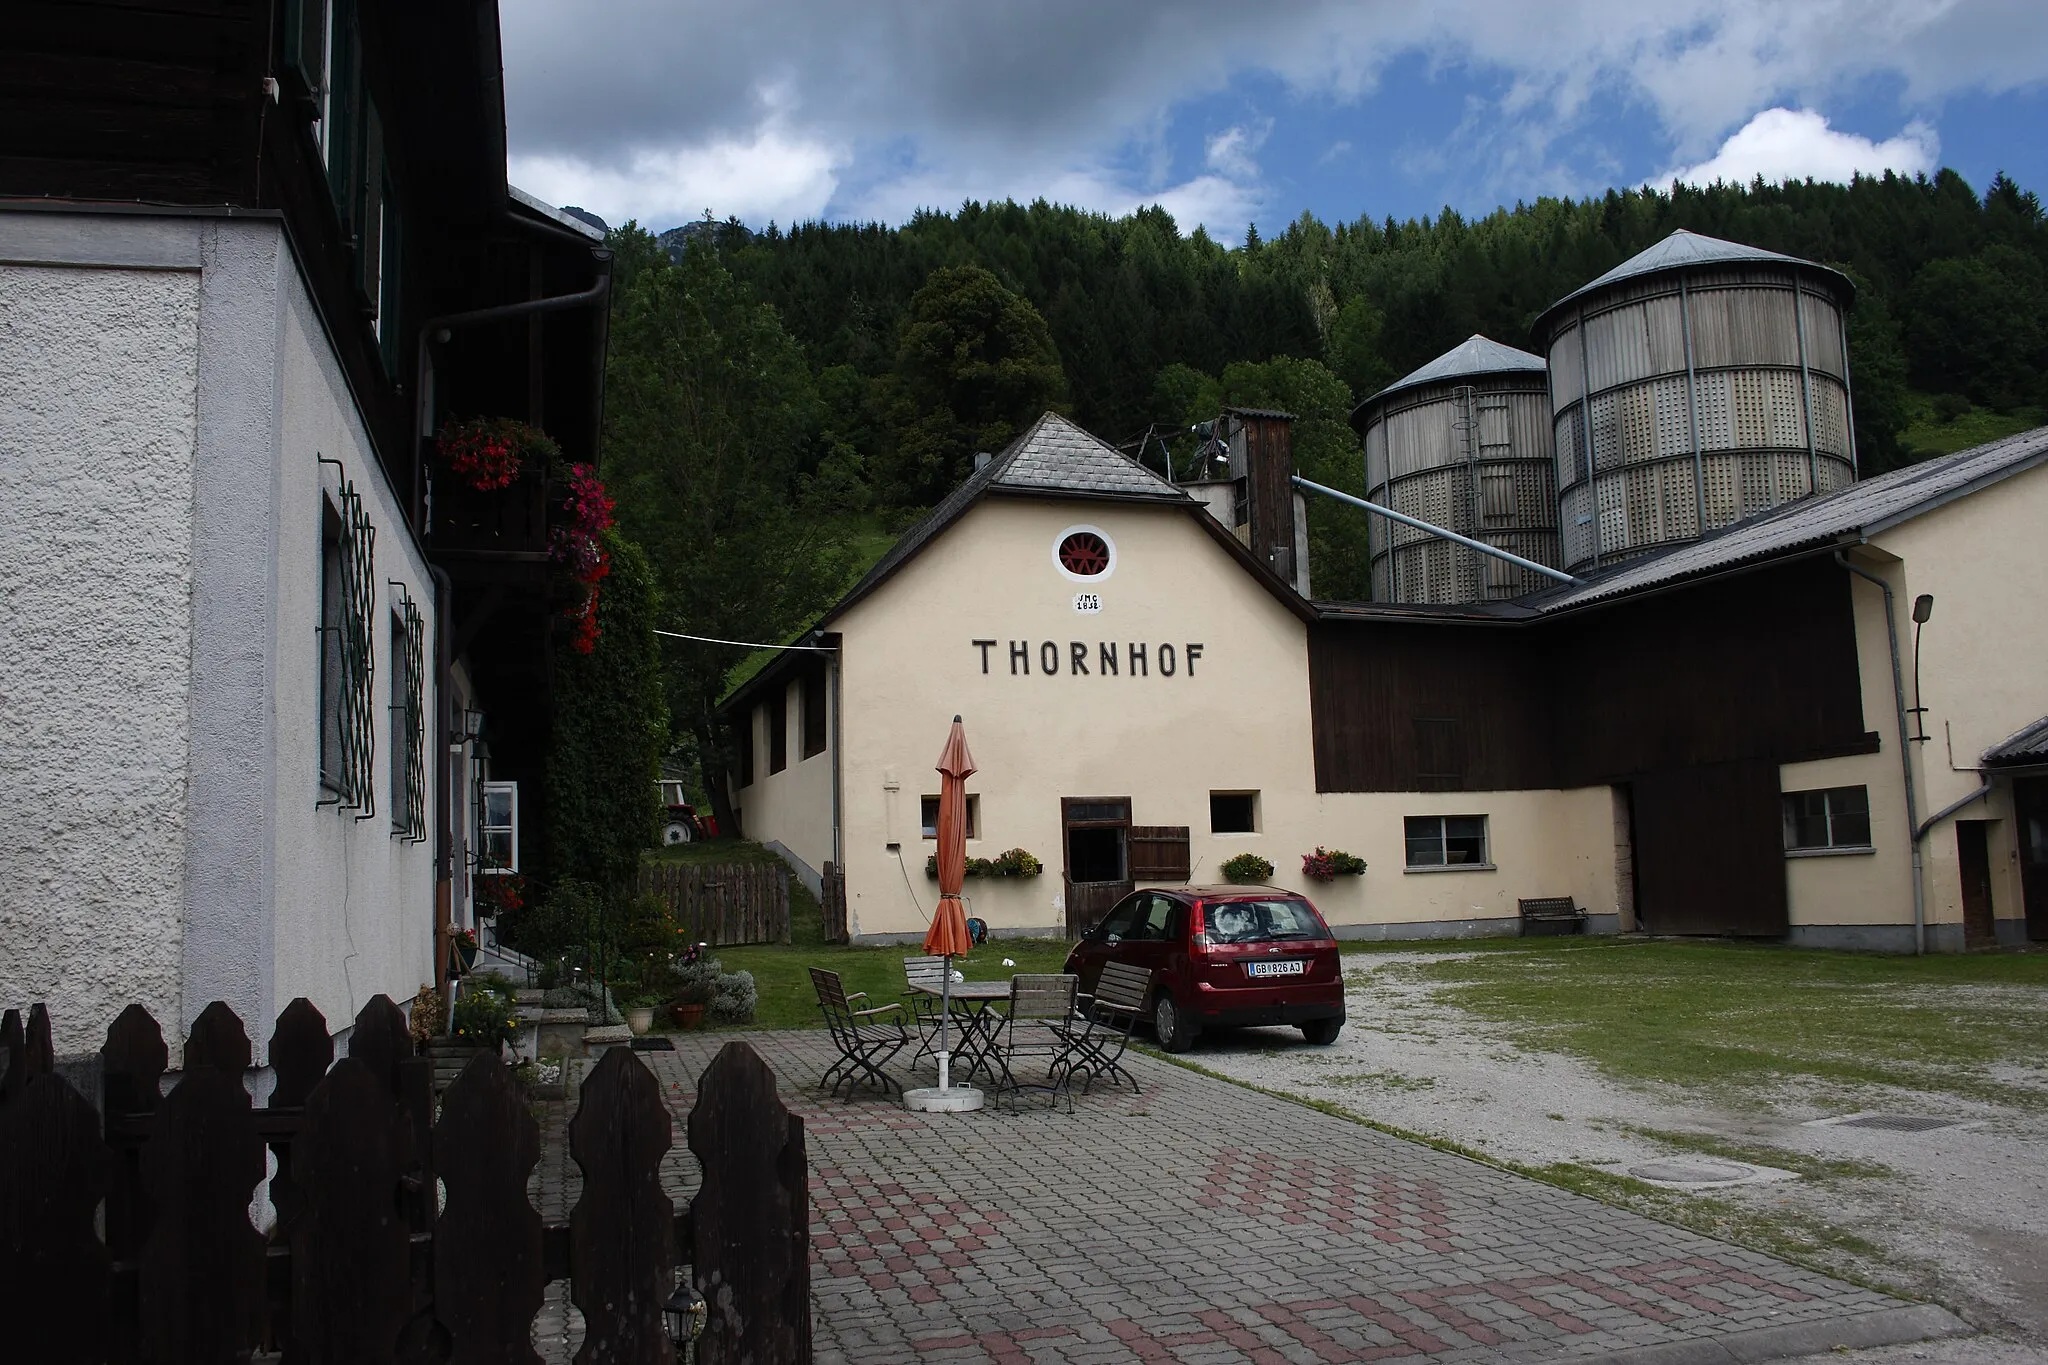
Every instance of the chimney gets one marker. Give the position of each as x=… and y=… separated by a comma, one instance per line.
x=1270, y=514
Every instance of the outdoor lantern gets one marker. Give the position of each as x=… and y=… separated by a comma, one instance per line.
x=685, y=1313
x=1923, y=608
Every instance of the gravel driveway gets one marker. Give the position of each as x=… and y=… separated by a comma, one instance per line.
x=1956, y=1214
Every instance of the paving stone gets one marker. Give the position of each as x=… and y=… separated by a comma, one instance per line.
x=1200, y=1222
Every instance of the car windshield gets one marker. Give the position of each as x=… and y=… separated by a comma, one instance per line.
x=1260, y=921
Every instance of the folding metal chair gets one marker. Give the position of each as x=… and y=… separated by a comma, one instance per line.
x=1115, y=1009
x=920, y=975
x=865, y=1039
x=1040, y=1024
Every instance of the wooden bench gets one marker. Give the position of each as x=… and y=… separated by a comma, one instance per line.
x=1551, y=915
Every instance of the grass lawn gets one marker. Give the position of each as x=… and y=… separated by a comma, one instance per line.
x=1750, y=1021
x=782, y=971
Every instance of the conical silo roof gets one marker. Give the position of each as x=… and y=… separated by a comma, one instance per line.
x=1470, y=358
x=1687, y=250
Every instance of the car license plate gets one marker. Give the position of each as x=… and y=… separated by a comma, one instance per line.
x=1290, y=967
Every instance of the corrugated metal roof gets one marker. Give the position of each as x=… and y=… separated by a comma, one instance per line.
x=1685, y=249
x=1861, y=509
x=2025, y=749
x=1476, y=355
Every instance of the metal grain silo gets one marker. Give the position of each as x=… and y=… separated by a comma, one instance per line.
x=1462, y=443
x=1694, y=385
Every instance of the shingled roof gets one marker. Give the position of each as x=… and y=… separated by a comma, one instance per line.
x=1475, y=355
x=1052, y=459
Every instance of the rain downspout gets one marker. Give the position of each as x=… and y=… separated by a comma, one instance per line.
x=1914, y=830
x=444, y=839
x=838, y=840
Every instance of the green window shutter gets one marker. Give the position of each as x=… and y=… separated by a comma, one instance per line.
x=369, y=232
x=344, y=116
x=305, y=45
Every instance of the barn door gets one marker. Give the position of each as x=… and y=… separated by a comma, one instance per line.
x=1710, y=851
x=1095, y=834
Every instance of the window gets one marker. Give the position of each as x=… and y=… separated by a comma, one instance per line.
x=1260, y=921
x=746, y=738
x=1447, y=841
x=1233, y=812
x=814, y=714
x=1117, y=923
x=928, y=816
x=1832, y=818
x=498, y=827
x=346, y=635
x=408, y=721
x=778, y=731
x=1084, y=554
x=1153, y=922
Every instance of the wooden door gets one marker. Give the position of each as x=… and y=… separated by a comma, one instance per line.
x=1973, y=856
x=1710, y=851
x=2030, y=806
x=1095, y=840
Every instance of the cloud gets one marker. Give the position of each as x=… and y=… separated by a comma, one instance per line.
x=1798, y=144
x=768, y=175
x=785, y=106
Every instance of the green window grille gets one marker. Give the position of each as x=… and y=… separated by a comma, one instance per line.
x=348, y=601
x=408, y=720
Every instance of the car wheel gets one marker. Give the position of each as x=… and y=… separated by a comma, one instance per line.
x=1322, y=1032
x=677, y=832
x=1170, y=1022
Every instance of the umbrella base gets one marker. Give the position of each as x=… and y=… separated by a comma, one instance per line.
x=958, y=1099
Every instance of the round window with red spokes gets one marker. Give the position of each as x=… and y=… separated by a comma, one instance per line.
x=1084, y=554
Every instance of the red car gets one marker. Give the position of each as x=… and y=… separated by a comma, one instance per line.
x=1222, y=957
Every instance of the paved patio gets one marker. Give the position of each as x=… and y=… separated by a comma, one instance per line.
x=1204, y=1222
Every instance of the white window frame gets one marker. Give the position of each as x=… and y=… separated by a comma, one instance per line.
x=931, y=831
x=1485, y=863
x=1831, y=848
x=1258, y=822
x=484, y=830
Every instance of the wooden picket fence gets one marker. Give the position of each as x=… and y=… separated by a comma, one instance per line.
x=125, y=1233
x=723, y=903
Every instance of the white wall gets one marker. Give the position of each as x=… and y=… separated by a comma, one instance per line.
x=795, y=803
x=1240, y=723
x=354, y=911
x=98, y=424
x=165, y=390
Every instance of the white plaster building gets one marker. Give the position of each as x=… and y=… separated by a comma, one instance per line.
x=247, y=645
x=1704, y=739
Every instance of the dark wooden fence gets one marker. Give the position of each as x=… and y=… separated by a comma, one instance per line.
x=125, y=1233
x=832, y=901
x=723, y=903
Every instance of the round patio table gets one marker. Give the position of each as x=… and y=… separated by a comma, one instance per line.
x=977, y=1017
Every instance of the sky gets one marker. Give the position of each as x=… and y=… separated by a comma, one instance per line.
x=1231, y=114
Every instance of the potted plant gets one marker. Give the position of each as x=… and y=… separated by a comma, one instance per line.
x=687, y=1005
x=1326, y=865
x=1247, y=869
x=485, y=1020
x=639, y=1011
x=465, y=948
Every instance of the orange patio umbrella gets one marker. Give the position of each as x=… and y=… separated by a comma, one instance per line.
x=947, y=936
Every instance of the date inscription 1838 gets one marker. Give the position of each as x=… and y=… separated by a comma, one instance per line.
x=1081, y=659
